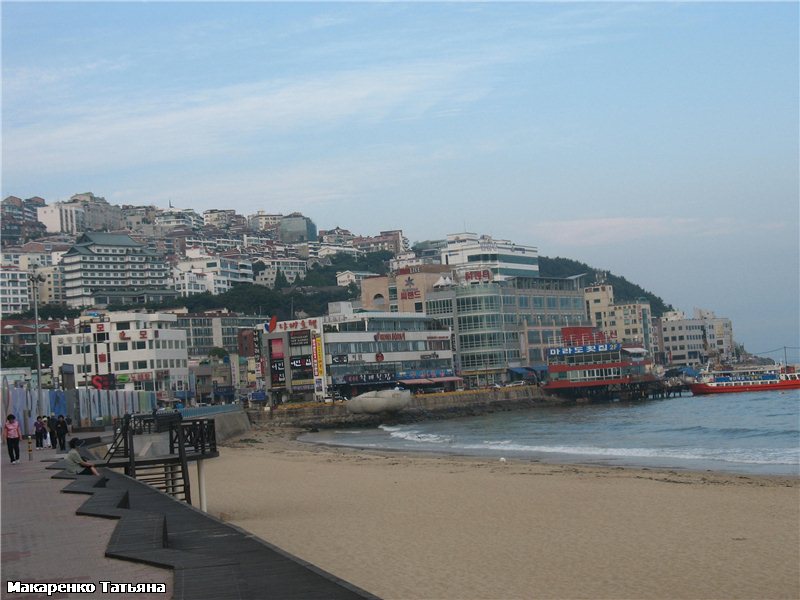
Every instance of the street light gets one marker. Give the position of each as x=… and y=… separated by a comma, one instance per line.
x=35, y=278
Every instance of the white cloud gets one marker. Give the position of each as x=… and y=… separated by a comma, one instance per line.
x=175, y=128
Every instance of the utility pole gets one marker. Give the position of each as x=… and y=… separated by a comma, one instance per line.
x=35, y=279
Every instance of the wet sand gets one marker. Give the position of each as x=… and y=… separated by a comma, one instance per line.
x=425, y=526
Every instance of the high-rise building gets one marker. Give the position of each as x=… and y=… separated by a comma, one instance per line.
x=108, y=265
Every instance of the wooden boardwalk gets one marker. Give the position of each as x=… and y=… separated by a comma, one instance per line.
x=210, y=559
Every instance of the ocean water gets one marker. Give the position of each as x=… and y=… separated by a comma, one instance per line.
x=750, y=433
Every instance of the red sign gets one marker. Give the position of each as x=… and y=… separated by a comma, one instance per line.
x=484, y=275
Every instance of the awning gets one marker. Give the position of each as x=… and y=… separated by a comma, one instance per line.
x=414, y=381
x=445, y=379
x=635, y=350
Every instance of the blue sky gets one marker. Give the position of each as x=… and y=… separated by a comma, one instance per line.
x=656, y=140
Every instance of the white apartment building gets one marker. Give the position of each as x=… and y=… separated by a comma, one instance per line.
x=110, y=264
x=226, y=272
x=292, y=269
x=468, y=253
x=14, y=290
x=697, y=340
x=190, y=283
x=221, y=218
x=345, y=278
x=261, y=221
x=125, y=350
x=172, y=219
x=63, y=217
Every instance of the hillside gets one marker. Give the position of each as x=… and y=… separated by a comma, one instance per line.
x=624, y=290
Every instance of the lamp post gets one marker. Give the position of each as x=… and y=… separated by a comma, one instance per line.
x=35, y=278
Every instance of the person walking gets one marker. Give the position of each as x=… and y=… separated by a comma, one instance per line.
x=11, y=435
x=61, y=433
x=51, y=427
x=40, y=431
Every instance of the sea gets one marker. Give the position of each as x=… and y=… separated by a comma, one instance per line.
x=749, y=433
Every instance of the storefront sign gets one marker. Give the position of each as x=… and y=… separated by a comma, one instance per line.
x=296, y=325
x=484, y=275
x=299, y=338
x=369, y=377
x=390, y=337
x=277, y=372
x=570, y=350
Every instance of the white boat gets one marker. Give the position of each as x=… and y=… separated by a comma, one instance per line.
x=378, y=402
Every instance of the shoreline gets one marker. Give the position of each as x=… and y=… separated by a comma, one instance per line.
x=286, y=440
x=408, y=525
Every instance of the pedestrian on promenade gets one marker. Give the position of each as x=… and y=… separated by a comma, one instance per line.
x=61, y=432
x=11, y=435
x=75, y=463
x=51, y=428
x=40, y=431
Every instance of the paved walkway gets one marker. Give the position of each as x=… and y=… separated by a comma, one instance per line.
x=44, y=541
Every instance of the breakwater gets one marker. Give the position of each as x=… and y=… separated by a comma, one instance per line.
x=422, y=407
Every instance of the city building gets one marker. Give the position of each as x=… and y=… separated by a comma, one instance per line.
x=391, y=241
x=469, y=253
x=98, y=214
x=295, y=229
x=292, y=269
x=404, y=290
x=348, y=352
x=125, y=350
x=345, y=278
x=503, y=328
x=629, y=323
x=19, y=221
x=15, y=292
x=179, y=219
x=261, y=221
x=19, y=335
x=222, y=218
x=102, y=268
x=214, y=329
x=63, y=217
x=703, y=338
x=336, y=237
x=50, y=284
x=223, y=273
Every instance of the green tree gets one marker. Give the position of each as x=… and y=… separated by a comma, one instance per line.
x=217, y=352
x=280, y=281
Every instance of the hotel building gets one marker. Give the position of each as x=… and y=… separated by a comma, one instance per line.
x=105, y=268
x=125, y=350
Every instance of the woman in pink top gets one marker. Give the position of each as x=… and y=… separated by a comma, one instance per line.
x=11, y=435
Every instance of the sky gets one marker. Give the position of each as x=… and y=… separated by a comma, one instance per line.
x=656, y=140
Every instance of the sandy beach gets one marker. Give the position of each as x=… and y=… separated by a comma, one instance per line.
x=422, y=526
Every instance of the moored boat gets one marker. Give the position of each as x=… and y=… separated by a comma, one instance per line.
x=763, y=379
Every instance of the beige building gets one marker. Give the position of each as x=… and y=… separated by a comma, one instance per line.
x=405, y=290
x=628, y=323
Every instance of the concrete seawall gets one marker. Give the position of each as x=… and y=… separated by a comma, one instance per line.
x=422, y=407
